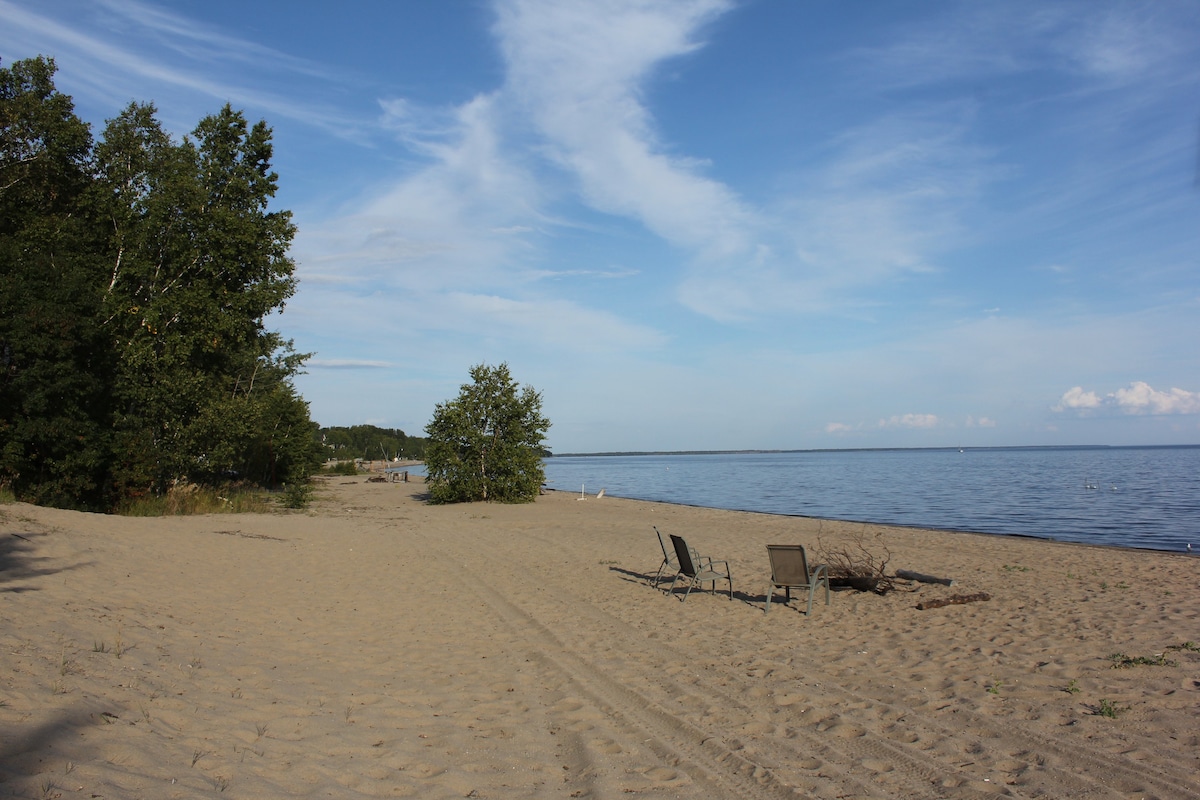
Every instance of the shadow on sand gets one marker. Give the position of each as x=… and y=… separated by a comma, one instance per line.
x=19, y=563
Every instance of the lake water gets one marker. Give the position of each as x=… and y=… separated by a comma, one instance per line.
x=1147, y=497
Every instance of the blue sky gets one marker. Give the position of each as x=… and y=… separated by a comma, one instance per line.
x=700, y=224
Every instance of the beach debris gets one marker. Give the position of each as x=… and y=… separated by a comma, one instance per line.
x=953, y=600
x=858, y=563
x=917, y=576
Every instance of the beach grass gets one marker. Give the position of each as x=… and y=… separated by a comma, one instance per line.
x=193, y=500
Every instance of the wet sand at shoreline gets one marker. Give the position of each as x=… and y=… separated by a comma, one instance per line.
x=375, y=646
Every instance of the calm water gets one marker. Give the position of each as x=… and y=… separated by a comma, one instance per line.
x=1143, y=497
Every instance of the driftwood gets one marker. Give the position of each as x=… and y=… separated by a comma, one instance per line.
x=953, y=600
x=916, y=576
x=858, y=563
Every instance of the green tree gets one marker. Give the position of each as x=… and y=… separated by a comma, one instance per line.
x=54, y=359
x=196, y=261
x=487, y=443
x=135, y=278
x=369, y=442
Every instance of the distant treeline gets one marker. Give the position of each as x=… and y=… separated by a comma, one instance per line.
x=370, y=443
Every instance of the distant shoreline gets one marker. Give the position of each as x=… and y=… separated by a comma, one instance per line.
x=964, y=449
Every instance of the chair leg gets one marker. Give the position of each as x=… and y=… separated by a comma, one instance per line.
x=812, y=587
x=658, y=576
x=770, y=591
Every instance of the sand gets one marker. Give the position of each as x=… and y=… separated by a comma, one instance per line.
x=375, y=646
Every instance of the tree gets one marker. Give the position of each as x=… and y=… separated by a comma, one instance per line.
x=54, y=359
x=487, y=443
x=369, y=442
x=196, y=261
x=135, y=278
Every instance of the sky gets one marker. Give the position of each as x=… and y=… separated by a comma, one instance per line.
x=710, y=224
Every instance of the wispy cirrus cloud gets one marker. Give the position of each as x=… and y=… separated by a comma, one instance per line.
x=910, y=421
x=576, y=71
x=122, y=46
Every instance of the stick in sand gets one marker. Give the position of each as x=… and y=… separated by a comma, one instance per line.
x=953, y=600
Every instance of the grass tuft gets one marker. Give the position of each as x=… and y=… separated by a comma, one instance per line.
x=1122, y=661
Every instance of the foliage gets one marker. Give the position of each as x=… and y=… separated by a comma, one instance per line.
x=341, y=468
x=192, y=499
x=298, y=494
x=1122, y=661
x=53, y=407
x=369, y=443
x=136, y=276
x=487, y=443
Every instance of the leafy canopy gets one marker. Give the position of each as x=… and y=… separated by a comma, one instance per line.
x=487, y=443
x=136, y=274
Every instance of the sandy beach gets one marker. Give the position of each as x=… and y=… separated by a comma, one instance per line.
x=375, y=646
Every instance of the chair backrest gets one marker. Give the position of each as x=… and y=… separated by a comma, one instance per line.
x=789, y=564
x=667, y=557
x=684, y=554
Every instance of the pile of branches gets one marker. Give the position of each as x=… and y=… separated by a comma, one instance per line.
x=859, y=562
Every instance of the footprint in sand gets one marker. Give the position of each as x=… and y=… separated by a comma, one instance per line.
x=662, y=774
x=607, y=746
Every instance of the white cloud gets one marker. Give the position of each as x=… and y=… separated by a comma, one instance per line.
x=122, y=46
x=910, y=421
x=576, y=70
x=1139, y=398
x=838, y=427
x=1077, y=398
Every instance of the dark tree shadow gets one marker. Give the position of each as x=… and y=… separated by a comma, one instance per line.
x=24, y=754
x=18, y=563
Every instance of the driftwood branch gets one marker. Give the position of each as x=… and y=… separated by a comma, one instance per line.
x=917, y=576
x=859, y=562
x=953, y=600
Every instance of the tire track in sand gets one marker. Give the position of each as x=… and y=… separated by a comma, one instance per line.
x=905, y=763
x=696, y=749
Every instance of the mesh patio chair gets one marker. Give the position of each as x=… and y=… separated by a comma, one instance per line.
x=668, y=562
x=790, y=570
x=694, y=569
